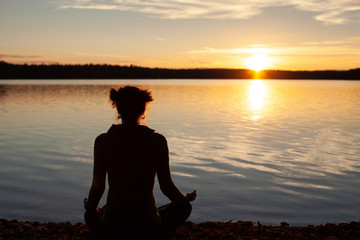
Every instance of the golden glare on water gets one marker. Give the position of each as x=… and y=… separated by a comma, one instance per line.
x=258, y=62
x=256, y=97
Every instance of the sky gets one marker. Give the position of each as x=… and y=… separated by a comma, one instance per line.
x=273, y=34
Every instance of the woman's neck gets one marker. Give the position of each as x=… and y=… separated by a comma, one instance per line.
x=130, y=122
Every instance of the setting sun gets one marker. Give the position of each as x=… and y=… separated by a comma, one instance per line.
x=258, y=62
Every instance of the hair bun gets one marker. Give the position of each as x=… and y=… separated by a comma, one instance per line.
x=130, y=100
x=146, y=95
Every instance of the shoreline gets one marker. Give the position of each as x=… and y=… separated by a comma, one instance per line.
x=106, y=71
x=15, y=229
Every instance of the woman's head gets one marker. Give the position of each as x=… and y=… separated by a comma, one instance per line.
x=130, y=102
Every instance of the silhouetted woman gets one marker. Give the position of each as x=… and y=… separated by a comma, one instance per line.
x=131, y=155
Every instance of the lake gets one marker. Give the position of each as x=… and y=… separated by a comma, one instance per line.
x=258, y=150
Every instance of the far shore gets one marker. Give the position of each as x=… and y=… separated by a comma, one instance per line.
x=14, y=229
x=105, y=71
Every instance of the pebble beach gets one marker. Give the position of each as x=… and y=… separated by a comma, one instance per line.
x=14, y=229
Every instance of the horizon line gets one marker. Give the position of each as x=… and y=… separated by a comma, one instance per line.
x=169, y=68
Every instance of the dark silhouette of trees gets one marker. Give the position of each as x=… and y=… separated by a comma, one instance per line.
x=352, y=74
x=106, y=71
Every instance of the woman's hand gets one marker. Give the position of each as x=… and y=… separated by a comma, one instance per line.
x=85, y=202
x=191, y=196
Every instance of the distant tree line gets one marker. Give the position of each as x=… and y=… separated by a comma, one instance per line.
x=106, y=71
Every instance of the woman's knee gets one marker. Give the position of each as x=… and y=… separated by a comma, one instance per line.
x=186, y=209
x=91, y=218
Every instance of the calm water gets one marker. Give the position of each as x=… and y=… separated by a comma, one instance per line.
x=267, y=151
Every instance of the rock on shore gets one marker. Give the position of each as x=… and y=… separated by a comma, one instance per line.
x=189, y=231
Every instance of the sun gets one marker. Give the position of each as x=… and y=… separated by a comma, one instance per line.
x=258, y=62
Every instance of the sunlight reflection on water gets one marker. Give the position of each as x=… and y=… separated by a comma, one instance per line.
x=257, y=94
x=255, y=150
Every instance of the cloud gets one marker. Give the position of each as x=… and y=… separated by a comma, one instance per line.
x=329, y=11
x=355, y=39
x=234, y=51
x=18, y=56
x=347, y=41
x=324, y=43
x=307, y=49
x=108, y=58
x=98, y=55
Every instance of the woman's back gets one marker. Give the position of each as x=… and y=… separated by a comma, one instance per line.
x=131, y=156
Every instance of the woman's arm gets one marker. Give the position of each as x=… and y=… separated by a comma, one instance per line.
x=166, y=183
x=99, y=176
